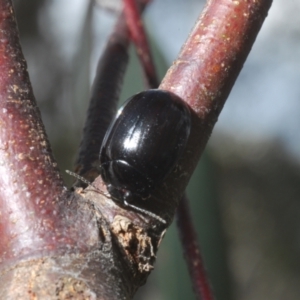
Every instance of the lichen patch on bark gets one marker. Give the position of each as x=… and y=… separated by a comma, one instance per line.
x=136, y=243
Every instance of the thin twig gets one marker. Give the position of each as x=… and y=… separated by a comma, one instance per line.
x=192, y=251
x=139, y=38
x=104, y=98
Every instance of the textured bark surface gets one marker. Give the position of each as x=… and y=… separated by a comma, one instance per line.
x=213, y=55
x=30, y=185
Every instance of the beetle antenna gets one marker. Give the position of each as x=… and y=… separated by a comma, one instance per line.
x=87, y=182
x=146, y=212
x=80, y=178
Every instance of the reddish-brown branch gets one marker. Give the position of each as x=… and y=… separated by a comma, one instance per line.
x=138, y=36
x=192, y=252
x=30, y=184
x=203, y=76
x=214, y=54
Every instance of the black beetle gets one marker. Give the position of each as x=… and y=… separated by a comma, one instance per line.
x=142, y=147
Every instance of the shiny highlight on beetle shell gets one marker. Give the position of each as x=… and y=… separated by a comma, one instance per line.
x=142, y=148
